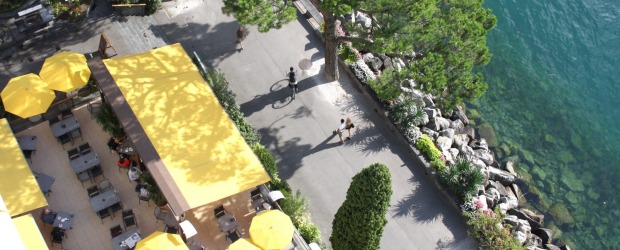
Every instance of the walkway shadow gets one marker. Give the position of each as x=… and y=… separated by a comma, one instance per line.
x=418, y=205
x=279, y=96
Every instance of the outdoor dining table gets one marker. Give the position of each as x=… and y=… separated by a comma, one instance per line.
x=27, y=142
x=63, y=220
x=45, y=182
x=85, y=162
x=65, y=126
x=127, y=240
x=227, y=222
x=104, y=200
x=126, y=148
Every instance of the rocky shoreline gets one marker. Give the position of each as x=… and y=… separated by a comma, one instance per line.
x=455, y=136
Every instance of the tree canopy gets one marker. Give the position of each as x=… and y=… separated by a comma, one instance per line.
x=359, y=222
x=443, y=40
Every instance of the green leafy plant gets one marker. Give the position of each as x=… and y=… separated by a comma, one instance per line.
x=359, y=222
x=152, y=6
x=108, y=121
x=296, y=206
x=266, y=158
x=462, y=179
x=349, y=54
x=310, y=233
x=428, y=148
x=490, y=232
x=385, y=87
x=406, y=114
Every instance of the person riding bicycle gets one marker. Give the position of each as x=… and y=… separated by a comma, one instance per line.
x=292, y=80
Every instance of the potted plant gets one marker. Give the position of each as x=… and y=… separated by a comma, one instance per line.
x=109, y=122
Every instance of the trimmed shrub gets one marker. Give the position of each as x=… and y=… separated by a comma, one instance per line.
x=266, y=158
x=462, y=179
x=152, y=6
x=359, y=222
x=310, y=233
x=490, y=232
x=428, y=148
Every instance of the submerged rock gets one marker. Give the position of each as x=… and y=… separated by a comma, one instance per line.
x=521, y=215
x=546, y=235
x=487, y=132
x=560, y=214
x=502, y=176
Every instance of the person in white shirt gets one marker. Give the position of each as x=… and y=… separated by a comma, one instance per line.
x=340, y=129
x=134, y=174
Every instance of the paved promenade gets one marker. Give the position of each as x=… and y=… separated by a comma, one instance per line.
x=298, y=132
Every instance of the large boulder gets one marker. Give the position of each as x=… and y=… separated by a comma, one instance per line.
x=479, y=144
x=387, y=64
x=449, y=132
x=431, y=133
x=443, y=122
x=444, y=143
x=432, y=112
x=522, y=237
x=448, y=156
x=460, y=140
x=534, y=240
x=428, y=101
x=537, y=217
x=546, y=235
x=492, y=194
x=484, y=155
x=398, y=63
x=533, y=223
x=459, y=114
x=467, y=152
x=454, y=152
x=511, y=220
x=507, y=203
x=375, y=64
x=458, y=126
x=368, y=57
x=504, y=177
x=499, y=187
x=552, y=247
x=509, y=166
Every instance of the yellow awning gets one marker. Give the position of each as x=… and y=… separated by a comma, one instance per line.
x=201, y=148
x=160, y=240
x=29, y=232
x=18, y=186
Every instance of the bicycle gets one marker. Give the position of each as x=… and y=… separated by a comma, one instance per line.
x=292, y=82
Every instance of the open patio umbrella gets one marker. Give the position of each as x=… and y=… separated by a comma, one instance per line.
x=160, y=240
x=27, y=96
x=272, y=229
x=243, y=244
x=65, y=71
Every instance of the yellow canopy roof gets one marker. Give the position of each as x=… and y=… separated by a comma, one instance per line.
x=201, y=148
x=9, y=236
x=160, y=240
x=29, y=232
x=243, y=244
x=18, y=186
x=65, y=71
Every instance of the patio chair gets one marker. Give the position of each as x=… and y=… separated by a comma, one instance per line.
x=84, y=149
x=160, y=214
x=105, y=185
x=84, y=177
x=53, y=119
x=92, y=191
x=144, y=198
x=130, y=221
x=116, y=207
x=73, y=153
x=126, y=213
x=171, y=229
x=255, y=194
x=64, y=114
x=116, y=231
x=104, y=213
x=93, y=108
x=57, y=236
x=76, y=133
x=96, y=171
x=28, y=154
x=112, y=145
x=232, y=236
x=64, y=139
x=219, y=211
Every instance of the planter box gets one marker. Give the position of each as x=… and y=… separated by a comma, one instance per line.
x=130, y=9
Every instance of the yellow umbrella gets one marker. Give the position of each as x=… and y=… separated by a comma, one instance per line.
x=272, y=229
x=160, y=240
x=243, y=244
x=27, y=96
x=65, y=71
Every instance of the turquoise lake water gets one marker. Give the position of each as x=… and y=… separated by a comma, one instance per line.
x=554, y=104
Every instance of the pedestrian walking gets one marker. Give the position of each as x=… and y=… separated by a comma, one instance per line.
x=348, y=126
x=241, y=34
x=340, y=129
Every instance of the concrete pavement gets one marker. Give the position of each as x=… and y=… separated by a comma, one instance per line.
x=298, y=132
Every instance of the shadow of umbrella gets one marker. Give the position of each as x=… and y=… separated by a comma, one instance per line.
x=27, y=96
x=65, y=71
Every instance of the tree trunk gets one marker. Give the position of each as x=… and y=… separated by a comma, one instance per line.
x=331, y=47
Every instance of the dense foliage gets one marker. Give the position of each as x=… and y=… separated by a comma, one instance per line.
x=447, y=36
x=462, y=179
x=108, y=121
x=359, y=222
x=406, y=114
x=431, y=152
x=152, y=6
x=266, y=158
x=488, y=229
